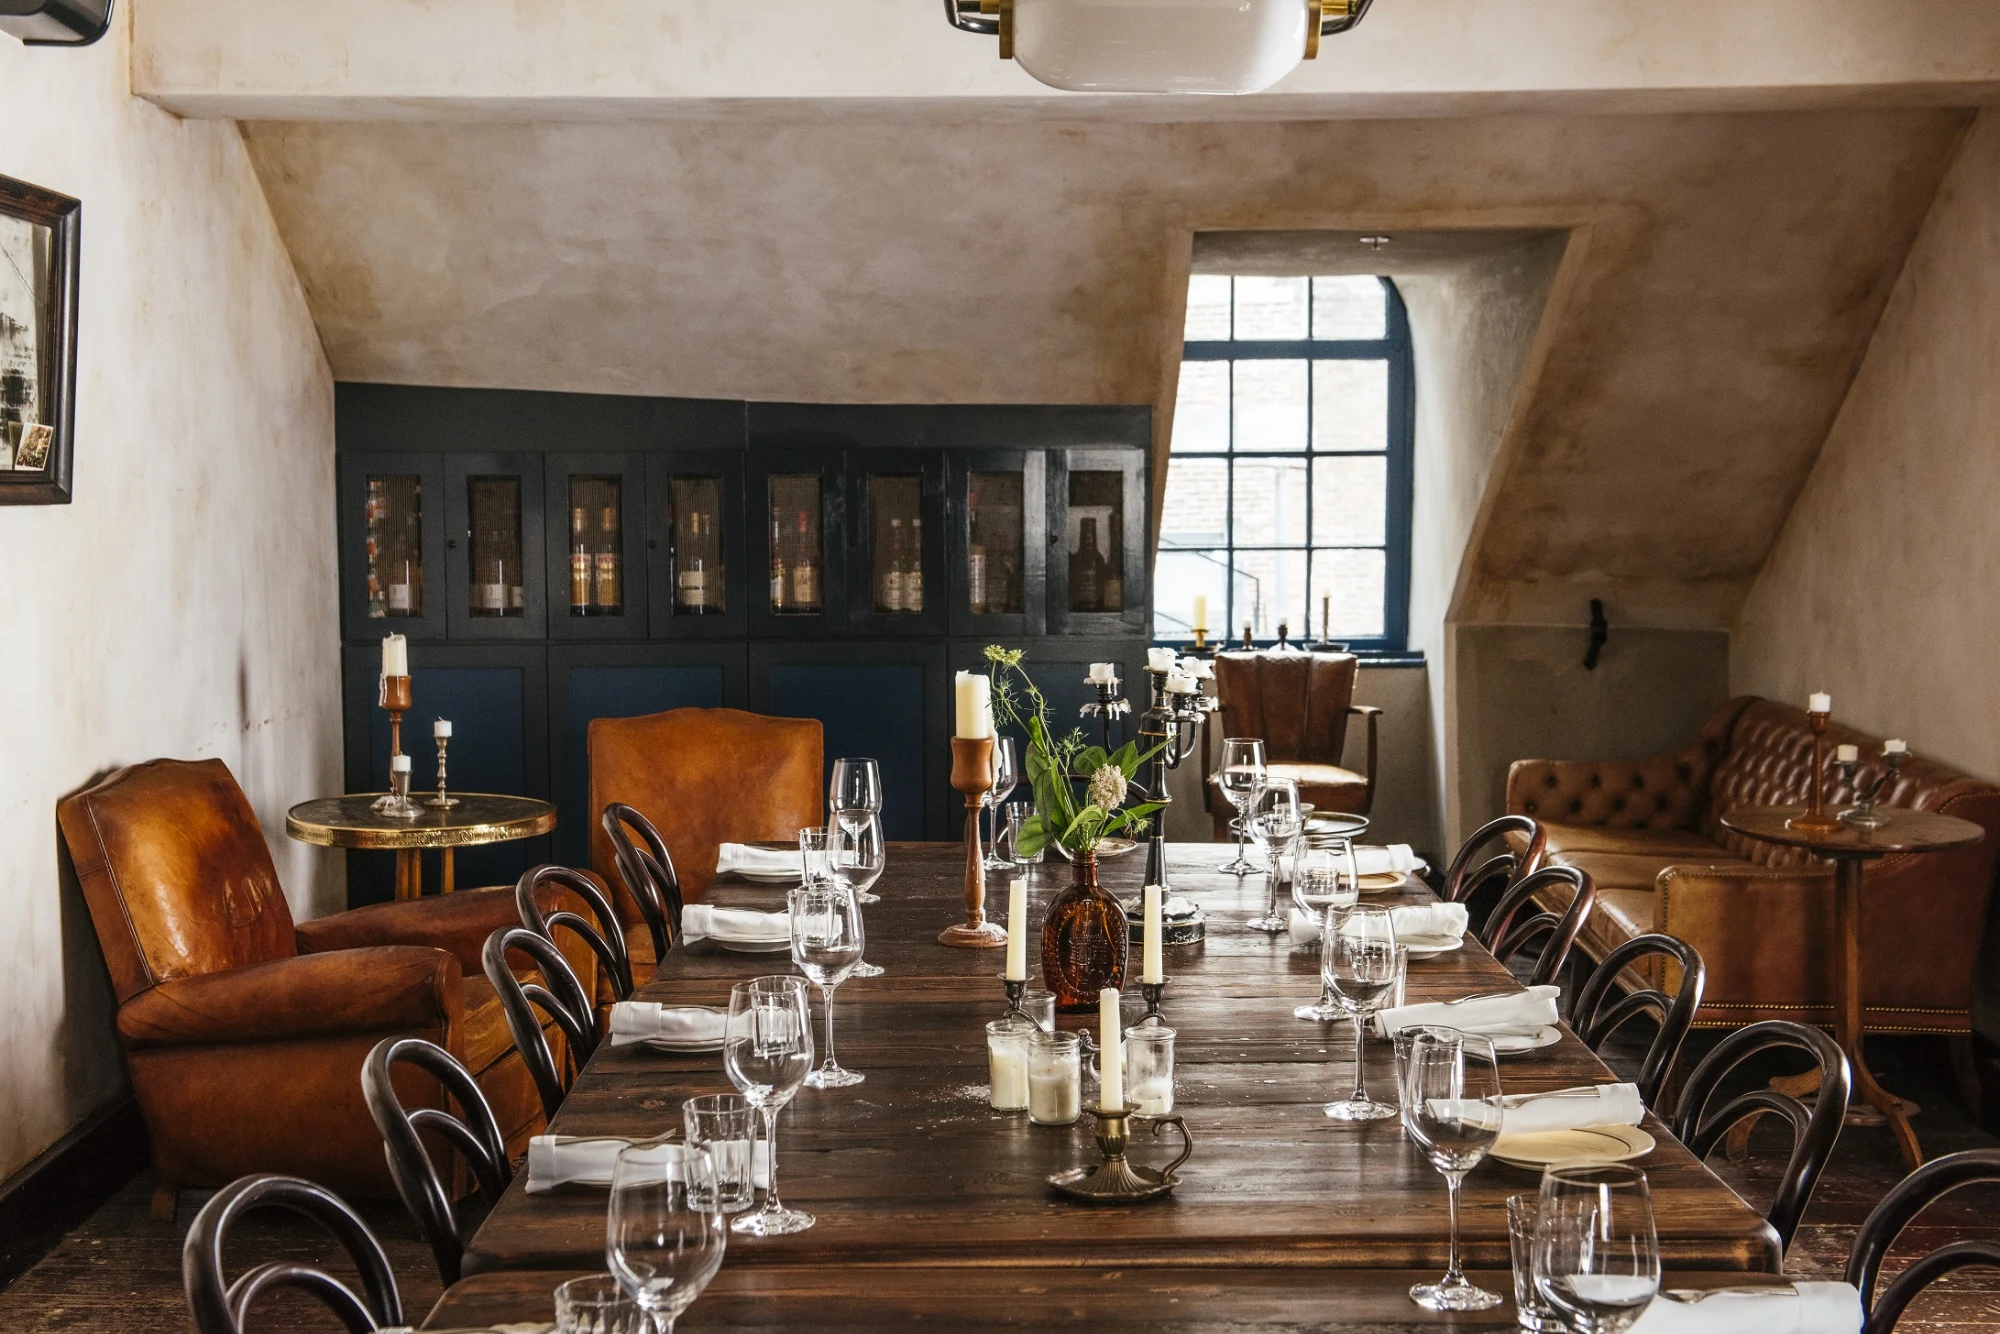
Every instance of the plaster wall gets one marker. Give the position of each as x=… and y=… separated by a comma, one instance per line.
x=182, y=605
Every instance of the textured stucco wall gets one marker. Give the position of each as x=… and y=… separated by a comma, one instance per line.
x=183, y=605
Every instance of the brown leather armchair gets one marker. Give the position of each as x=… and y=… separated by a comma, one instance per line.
x=245, y=1033
x=1299, y=703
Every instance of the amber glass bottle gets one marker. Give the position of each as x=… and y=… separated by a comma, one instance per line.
x=1085, y=940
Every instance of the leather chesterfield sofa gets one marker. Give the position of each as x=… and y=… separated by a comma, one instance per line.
x=1649, y=833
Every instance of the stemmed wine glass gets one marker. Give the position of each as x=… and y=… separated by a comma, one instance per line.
x=1006, y=777
x=1327, y=878
x=767, y=1050
x=1275, y=821
x=1451, y=1108
x=1597, y=1255
x=1357, y=962
x=1242, y=773
x=663, y=1234
x=856, y=786
x=856, y=858
x=826, y=944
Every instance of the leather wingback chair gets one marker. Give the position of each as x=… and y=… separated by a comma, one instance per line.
x=704, y=777
x=1299, y=703
x=246, y=1033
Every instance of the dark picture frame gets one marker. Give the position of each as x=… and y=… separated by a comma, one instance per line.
x=38, y=307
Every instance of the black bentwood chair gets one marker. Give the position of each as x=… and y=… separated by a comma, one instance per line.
x=220, y=1307
x=1813, y=1131
x=558, y=994
x=1910, y=1197
x=647, y=873
x=474, y=1133
x=1504, y=936
x=604, y=936
x=1465, y=878
x=1593, y=1020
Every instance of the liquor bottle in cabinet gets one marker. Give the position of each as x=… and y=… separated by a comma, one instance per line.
x=698, y=575
x=778, y=582
x=891, y=598
x=913, y=568
x=804, y=588
x=395, y=547
x=975, y=578
x=582, y=564
x=1087, y=571
x=610, y=595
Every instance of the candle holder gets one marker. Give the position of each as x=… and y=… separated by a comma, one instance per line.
x=1151, y=992
x=972, y=777
x=443, y=800
x=1201, y=639
x=1016, y=991
x=1116, y=1181
x=1862, y=815
x=1173, y=724
x=395, y=700
x=1105, y=707
x=1816, y=820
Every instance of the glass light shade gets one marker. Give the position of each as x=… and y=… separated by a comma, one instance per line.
x=1160, y=46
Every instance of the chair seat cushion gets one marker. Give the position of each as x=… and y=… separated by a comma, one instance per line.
x=1327, y=787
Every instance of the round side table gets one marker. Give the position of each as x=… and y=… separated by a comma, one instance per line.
x=478, y=817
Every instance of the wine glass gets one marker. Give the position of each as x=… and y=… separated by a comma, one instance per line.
x=826, y=944
x=1327, y=878
x=1357, y=962
x=856, y=786
x=663, y=1235
x=1451, y=1108
x=1242, y=773
x=1275, y=821
x=1597, y=1255
x=857, y=859
x=767, y=1050
x=1006, y=777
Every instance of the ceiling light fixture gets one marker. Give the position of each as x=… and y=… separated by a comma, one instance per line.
x=55, y=22
x=1157, y=46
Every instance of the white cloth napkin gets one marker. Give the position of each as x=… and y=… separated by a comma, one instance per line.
x=1803, y=1308
x=1572, y=1109
x=1517, y=1011
x=1415, y=920
x=745, y=926
x=644, y=1021
x=1398, y=858
x=740, y=858
x=559, y=1160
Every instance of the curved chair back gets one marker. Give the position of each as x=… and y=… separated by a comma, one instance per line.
x=219, y=1306
x=558, y=994
x=1467, y=876
x=1594, y=1021
x=475, y=1134
x=1910, y=1197
x=1813, y=1132
x=605, y=937
x=647, y=873
x=1506, y=930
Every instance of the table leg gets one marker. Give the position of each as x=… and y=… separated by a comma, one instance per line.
x=449, y=881
x=1847, y=999
x=409, y=873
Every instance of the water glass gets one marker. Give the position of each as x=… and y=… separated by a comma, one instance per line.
x=1451, y=1109
x=1275, y=821
x=664, y=1237
x=1241, y=774
x=1007, y=776
x=724, y=1126
x=1149, y=1068
x=1358, y=962
x=1055, y=1078
x=595, y=1304
x=1533, y=1313
x=1007, y=842
x=1597, y=1255
x=1326, y=878
x=827, y=941
x=856, y=857
x=767, y=1050
x=856, y=786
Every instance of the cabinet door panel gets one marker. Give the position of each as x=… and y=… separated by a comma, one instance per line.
x=595, y=528
x=798, y=502
x=998, y=503
x=493, y=546
x=392, y=546
x=701, y=582
x=896, y=568
x=1097, y=542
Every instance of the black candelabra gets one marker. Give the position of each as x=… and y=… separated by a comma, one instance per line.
x=1173, y=724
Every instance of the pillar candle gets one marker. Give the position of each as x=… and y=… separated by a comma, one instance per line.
x=441, y=728
x=975, y=705
x=395, y=656
x=1895, y=746
x=399, y=764
x=1102, y=672
x=1150, y=971
x=1159, y=660
x=1847, y=754
x=1017, y=931
x=1820, y=702
x=1006, y=1070
x=1110, y=1052
x=1201, y=612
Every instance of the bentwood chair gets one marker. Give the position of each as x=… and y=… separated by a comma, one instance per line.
x=1468, y=876
x=558, y=994
x=1594, y=1015
x=1814, y=1131
x=1908, y=1198
x=647, y=874
x=221, y=1307
x=1505, y=936
x=604, y=937
x=474, y=1133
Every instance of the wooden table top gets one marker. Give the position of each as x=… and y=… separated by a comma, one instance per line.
x=1907, y=831
x=912, y=1168
x=479, y=817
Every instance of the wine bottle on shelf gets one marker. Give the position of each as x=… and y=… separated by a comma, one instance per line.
x=1086, y=570
x=975, y=578
x=609, y=595
x=581, y=565
x=778, y=585
x=805, y=571
x=691, y=579
x=891, y=597
x=913, y=568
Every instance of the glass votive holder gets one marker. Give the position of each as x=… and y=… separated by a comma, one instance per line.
x=1531, y=1310
x=1040, y=1009
x=1007, y=1063
x=1055, y=1078
x=595, y=1304
x=725, y=1125
x=1149, y=1069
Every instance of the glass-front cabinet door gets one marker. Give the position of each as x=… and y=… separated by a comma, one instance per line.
x=1097, y=575
x=999, y=542
x=392, y=538
x=595, y=526
x=796, y=501
x=493, y=549
x=695, y=543
x=896, y=581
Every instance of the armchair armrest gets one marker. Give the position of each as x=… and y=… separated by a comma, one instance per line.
x=1373, y=715
x=458, y=922
x=381, y=990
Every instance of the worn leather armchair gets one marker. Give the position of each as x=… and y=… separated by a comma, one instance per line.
x=245, y=1033
x=1299, y=703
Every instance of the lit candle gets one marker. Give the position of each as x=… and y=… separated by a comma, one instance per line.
x=441, y=729
x=1201, y=612
x=975, y=705
x=1895, y=746
x=1150, y=971
x=1847, y=754
x=1159, y=660
x=1017, y=931
x=1102, y=673
x=1111, y=1052
x=1821, y=702
x=395, y=656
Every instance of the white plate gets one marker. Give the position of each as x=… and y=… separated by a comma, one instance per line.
x=769, y=877
x=1429, y=947
x=1573, y=1148
x=754, y=946
x=683, y=1048
x=1387, y=882
x=1514, y=1045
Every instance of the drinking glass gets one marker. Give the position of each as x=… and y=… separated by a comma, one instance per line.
x=856, y=859
x=856, y=786
x=1242, y=773
x=1275, y=821
x=664, y=1237
x=1006, y=777
x=1533, y=1314
x=1451, y=1108
x=1597, y=1256
x=595, y=1304
x=723, y=1126
x=826, y=944
x=1008, y=841
x=815, y=857
x=1326, y=878
x=1357, y=962
x=1149, y=1068
x=767, y=1050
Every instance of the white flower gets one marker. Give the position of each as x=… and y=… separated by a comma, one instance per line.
x=1107, y=787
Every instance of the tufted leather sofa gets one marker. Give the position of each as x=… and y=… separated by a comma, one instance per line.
x=1299, y=703
x=1649, y=832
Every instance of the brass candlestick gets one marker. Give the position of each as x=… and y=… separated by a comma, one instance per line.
x=1116, y=1181
x=441, y=800
x=395, y=699
x=972, y=776
x=1816, y=820
x=1201, y=641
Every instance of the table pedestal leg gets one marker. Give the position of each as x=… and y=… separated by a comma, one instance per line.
x=1847, y=998
x=449, y=880
x=409, y=873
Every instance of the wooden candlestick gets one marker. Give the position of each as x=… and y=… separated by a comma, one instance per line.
x=1816, y=820
x=396, y=699
x=972, y=775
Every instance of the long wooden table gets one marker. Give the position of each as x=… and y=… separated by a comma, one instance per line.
x=911, y=1168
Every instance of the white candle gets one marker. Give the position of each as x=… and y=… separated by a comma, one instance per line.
x=1199, y=668
x=1017, y=931
x=1055, y=1087
x=1821, y=702
x=1102, y=673
x=1201, y=612
x=1150, y=970
x=395, y=656
x=975, y=705
x=1007, y=1072
x=399, y=764
x=1895, y=746
x=1179, y=683
x=1111, y=1051
x=1153, y=1095
x=441, y=728
x=1847, y=754
x=1159, y=660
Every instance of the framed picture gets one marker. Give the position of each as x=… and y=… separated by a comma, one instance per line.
x=38, y=288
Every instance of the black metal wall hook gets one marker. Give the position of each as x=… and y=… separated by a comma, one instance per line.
x=1600, y=630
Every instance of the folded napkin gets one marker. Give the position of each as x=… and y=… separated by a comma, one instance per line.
x=644, y=1021
x=1397, y=858
x=741, y=859
x=1515, y=1012
x=1571, y=1109
x=1799, y=1308
x=560, y=1160
x=745, y=926
x=1414, y=920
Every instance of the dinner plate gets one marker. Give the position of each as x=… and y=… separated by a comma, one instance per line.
x=1383, y=882
x=672, y=1048
x=754, y=946
x=1429, y=947
x=770, y=877
x=1509, y=1044
x=1573, y=1148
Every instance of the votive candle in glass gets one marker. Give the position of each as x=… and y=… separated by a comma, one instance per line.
x=1055, y=1078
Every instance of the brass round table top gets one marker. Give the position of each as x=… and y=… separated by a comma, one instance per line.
x=1907, y=831
x=479, y=817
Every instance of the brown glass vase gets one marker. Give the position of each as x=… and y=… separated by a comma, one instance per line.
x=1085, y=940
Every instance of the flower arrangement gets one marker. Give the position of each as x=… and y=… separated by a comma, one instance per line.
x=1080, y=790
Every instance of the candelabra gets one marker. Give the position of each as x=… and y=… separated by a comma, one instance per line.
x=1862, y=815
x=1172, y=724
x=1108, y=705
